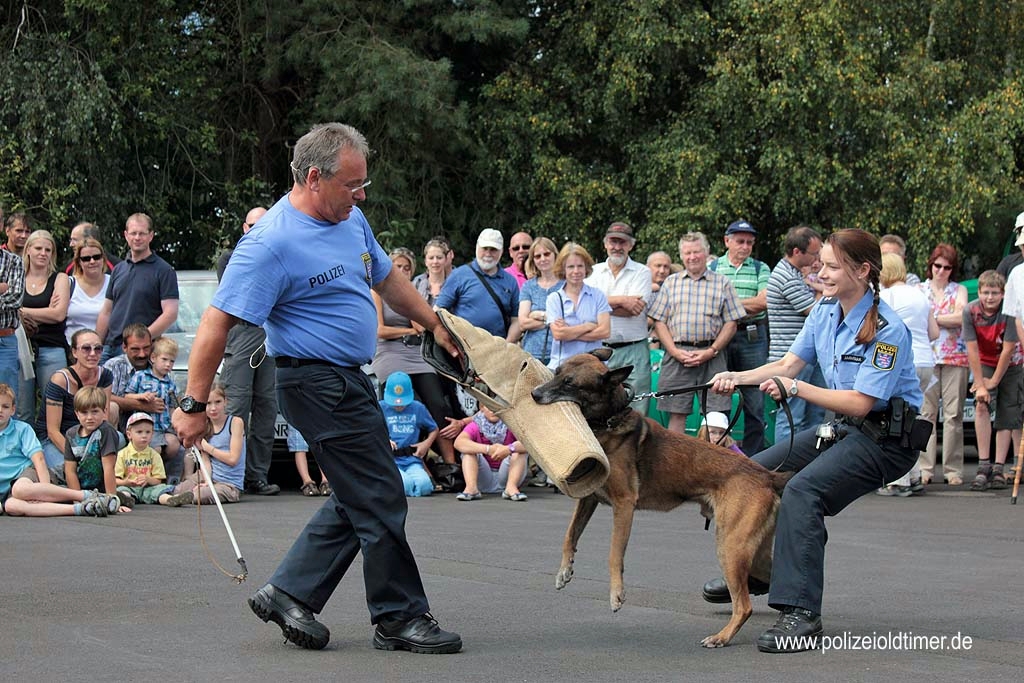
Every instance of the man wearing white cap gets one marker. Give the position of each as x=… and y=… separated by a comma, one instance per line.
x=1014, y=259
x=1013, y=300
x=483, y=293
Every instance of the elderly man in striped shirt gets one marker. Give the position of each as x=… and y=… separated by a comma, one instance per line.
x=695, y=317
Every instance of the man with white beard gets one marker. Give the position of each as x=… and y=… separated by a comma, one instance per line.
x=483, y=293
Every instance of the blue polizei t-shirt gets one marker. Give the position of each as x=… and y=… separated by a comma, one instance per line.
x=883, y=368
x=404, y=426
x=307, y=282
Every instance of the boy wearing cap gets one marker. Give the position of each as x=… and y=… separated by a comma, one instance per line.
x=139, y=469
x=406, y=419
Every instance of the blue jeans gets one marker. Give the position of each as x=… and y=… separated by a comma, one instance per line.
x=744, y=353
x=9, y=361
x=49, y=359
x=805, y=415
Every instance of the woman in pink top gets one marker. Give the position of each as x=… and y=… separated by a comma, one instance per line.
x=948, y=300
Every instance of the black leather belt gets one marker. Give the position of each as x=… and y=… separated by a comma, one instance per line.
x=289, y=362
x=619, y=345
x=697, y=344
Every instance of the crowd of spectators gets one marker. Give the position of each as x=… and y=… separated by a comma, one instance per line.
x=93, y=329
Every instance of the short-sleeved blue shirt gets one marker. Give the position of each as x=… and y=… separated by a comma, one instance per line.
x=404, y=426
x=307, y=282
x=882, y=368
x=18, y=443
x=592, y=302
x=465, y=296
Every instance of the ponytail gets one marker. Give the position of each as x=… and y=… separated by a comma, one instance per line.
x=869, y=327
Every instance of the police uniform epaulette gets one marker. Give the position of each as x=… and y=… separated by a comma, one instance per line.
x=882, y=323
x=828, y=300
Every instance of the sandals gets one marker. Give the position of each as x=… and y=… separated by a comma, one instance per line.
x=998, y=481
x=325, y=489
x=310, y=489
x=469, y=496
x=518, y=496
x=981, y=483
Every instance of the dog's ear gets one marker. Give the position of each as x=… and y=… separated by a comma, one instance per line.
x=602, y=353
x=617, y=376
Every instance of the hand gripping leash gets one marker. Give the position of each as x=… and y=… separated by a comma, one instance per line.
x=238, y=578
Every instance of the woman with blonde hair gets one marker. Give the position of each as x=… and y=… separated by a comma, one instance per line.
x=89, y=281
x=540, y=269
x=44, y=311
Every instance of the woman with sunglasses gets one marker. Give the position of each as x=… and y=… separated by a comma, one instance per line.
x=89, y=280
x=57, y=414
x=948, y=300
x=43, y=312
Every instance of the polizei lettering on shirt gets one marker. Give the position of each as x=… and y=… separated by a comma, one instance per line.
x=326, y=276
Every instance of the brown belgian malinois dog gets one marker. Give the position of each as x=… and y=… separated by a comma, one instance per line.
x=652, y=468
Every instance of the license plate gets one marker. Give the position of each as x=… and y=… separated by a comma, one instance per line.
x=969, y=412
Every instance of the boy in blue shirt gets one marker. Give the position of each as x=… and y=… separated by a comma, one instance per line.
x=406, y=418
x=25, y=488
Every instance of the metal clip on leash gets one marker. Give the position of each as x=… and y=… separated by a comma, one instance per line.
x=239, y=578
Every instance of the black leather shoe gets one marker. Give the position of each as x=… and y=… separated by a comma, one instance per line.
x=295, y=619
x=796, y=630
x=420, y=634
x=717, y=591
x=262, y=488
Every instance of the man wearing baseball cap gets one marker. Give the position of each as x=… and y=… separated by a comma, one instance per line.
x=483, y=293
x=749, y=346
x=1014, y=258
x=627, y=286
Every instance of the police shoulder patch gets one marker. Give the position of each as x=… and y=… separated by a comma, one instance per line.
x=828, y=301
x=885, y=356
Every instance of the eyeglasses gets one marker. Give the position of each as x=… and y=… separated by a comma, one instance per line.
x=362, y=186
x=87, y=348
x=942, y=266
x=94, y=257
x=519, y=247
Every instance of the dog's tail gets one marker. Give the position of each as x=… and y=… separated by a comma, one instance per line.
x=779, y=480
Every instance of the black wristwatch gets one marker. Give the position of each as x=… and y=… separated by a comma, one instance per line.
x=191, y=406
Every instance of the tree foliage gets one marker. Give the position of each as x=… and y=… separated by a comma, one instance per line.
x=558, y=117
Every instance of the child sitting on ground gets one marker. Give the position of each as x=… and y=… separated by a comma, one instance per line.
x=715, y=428
x=223, y=452
x=25, y=488
x=90, y=447
x=139, y=469
x=157, y=380
x=492, y=459
x=406, y=419
x=298, y=446
x=995, y=360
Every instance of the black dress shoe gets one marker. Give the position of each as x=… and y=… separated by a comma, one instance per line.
x=796, y=630
x=717, y=591
x=420, y=634
x=262, y=488
x=295, y=619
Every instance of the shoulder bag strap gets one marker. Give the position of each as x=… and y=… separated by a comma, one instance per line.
x=504, y=314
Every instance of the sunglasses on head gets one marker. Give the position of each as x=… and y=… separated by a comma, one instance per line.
x=94, y=257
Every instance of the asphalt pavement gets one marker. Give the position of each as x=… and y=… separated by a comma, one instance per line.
x=135, y=597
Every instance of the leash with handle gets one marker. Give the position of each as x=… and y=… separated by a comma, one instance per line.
x=238, y=578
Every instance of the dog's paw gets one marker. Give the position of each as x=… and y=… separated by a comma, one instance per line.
x=714, y=641
x=563, y=577
x=617, y=600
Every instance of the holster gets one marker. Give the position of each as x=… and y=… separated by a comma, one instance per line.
x=502, y=376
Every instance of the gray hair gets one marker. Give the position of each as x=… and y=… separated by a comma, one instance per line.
x=319, y=148
x=695, y=237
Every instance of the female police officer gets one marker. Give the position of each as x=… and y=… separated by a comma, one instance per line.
x=864, y=350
